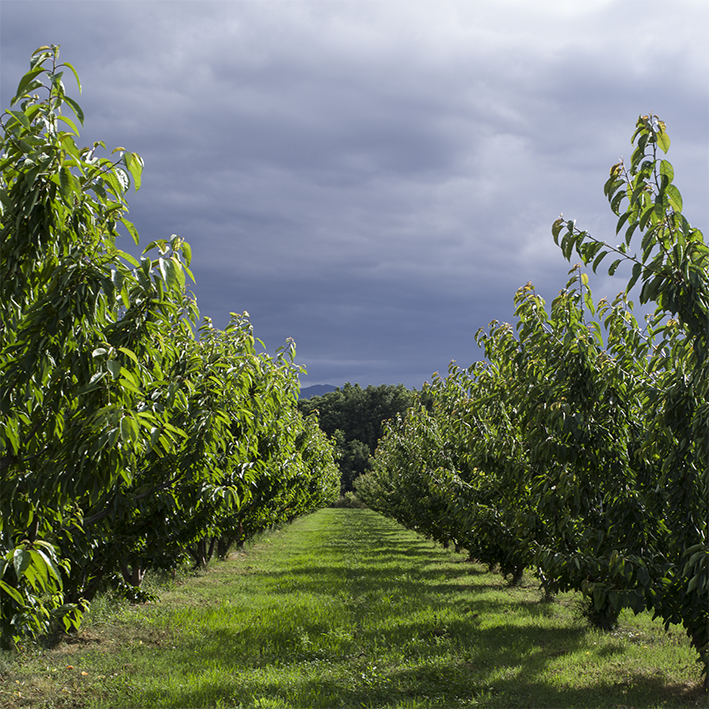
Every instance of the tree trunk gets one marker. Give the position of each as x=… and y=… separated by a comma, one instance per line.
x=133, y=576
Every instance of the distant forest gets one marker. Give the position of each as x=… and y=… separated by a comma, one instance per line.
x=353, y=417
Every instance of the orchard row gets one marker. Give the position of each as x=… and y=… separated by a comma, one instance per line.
x=579, y=447
x=131, y=437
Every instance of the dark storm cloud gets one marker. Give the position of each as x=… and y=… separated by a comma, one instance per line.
x=375, y=180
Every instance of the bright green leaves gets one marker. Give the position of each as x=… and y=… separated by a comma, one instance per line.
x=662, y=139
x=30, y=591
x=170, y=266
x=123, y=438
x=34, y=565
x=674, y=197
x=135, y=165
x=647, y=202
x=77, y=356
x=673, y=271
x=28, y=83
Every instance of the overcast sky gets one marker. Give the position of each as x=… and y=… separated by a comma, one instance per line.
x=375, y=179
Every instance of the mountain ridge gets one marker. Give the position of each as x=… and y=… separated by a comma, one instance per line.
x=316, y=390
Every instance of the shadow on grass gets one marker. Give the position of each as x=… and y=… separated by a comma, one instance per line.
x=408, y=632
x=504, y=667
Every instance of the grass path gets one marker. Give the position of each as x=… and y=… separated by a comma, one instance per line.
x=346, y=609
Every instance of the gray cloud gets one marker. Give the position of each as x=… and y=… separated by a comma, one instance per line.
x=376, y=179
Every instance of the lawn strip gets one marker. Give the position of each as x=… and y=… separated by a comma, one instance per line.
x=346, y=609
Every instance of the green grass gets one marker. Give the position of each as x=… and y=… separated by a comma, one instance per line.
x=346, y=609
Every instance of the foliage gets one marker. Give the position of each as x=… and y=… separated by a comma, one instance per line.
x=672, y=267
x=125, y=442
x=347, y=501
x=353, y=417
x=580, y=445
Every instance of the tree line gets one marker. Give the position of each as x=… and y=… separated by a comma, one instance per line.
x=579, y=446
x=133, y=435
x=354, y=419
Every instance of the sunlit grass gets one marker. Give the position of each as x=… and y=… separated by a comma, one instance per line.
x=346, y=609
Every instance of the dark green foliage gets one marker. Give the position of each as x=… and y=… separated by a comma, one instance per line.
x=580, y=445
x=347, y=501
x=354, y=418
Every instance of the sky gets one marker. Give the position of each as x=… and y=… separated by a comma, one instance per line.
x=376, y=178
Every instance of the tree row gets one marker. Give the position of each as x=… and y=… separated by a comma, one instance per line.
x=131, y=436
x=579, y=447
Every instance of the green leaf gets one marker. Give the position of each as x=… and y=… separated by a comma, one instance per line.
x=646, y=216
x=694, y=582
x=67, y=184
x=73, y=71
x=675, y=198
x=154, y=438
x=649, y=289
x=588, y=300
x=21, y=560
x=623, y=218
x=173, y=273
x=21, y=117
x=629, y=232
x=667, y=170
x=131, y=230
x=129, y=429
x=187, y=251
x=663, y=140
x=638, y=154
x=135, y=165
x=93, y=383
x=128, y=384
x=76, y=108
x=129, y=376
x=46, y=570
x=117, y=180
x=159, y=244
x=567, y=246
x=32, y=86
x=12, y=592
x=13, y=437
x=122, y=177
x=637, y=270
x=615, y=202
x=25, y=80
x=189, y=273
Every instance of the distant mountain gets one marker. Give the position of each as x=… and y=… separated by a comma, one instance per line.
x=316, y=390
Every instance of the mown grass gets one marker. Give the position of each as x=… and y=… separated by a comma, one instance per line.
x=346, y=609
